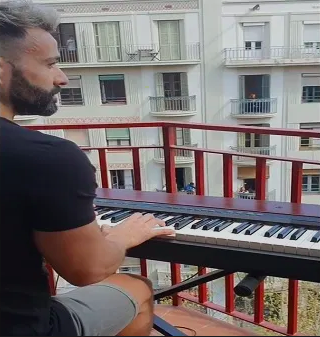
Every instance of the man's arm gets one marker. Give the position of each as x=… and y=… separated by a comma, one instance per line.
x=65, y=230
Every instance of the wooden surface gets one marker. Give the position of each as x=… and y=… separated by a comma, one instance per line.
x=194, y=323
x=275, y=207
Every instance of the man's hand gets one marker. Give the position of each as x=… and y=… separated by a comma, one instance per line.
x=137, y=229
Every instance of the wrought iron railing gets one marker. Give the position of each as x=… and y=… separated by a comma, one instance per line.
x=256, y=107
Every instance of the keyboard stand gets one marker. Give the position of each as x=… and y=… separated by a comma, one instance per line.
x=164, y=327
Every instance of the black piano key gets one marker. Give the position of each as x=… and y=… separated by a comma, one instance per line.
x=253, y=229
x=119, y=217
x=298, y=233
x=272, y=231
x=102, y=210
x=109, y=215
x=285, y=232
x=222, y=226
x=316, y=237
x=200, y=223
x=213, y=223
x=161, y=216
x=184, y=222
x=241, y=227
x=173, y=220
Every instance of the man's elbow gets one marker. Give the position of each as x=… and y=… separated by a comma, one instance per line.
x=84, y=277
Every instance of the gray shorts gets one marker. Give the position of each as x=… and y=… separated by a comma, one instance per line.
x=100, y=309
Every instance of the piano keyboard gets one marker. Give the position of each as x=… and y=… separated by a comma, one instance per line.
x=278, y=237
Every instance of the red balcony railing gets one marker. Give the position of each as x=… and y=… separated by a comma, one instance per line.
x=200, y=297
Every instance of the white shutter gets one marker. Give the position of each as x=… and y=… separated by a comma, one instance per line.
x=108, y=41
x=311, y=80
x=128, y=181
x=169, y=39
x=160, y=106
x=311, y=32
x=126, y=34
x=80, y=137
x=253, y=33
x=86, y=47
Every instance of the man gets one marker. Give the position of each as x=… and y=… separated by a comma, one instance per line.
x=46, y=199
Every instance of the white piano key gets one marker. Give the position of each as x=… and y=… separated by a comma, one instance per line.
x=257, y=240
x=292, y=246
x=186, y=234
x=315, y=249
x=304, y=248
x=226, y=234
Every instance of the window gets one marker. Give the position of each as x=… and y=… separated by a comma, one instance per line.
x=253, y=140
x=67, y=42
x=307, y=142
x=122, y=179
x=169, y=40
x=108, y=41
x=80, y=137
x=311, y=37
x=311, y=94
x=112, y=89
x=118, y=137
x=71, y=94
x=253, y=34
x=311, y=183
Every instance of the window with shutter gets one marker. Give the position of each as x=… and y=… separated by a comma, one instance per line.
x=71, y=94
x=108, y=44
x=67, y=42
x=118, y=137
x=112, y=89
x=169, y=40
x=310, y=143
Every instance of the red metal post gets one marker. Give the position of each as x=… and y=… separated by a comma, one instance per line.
x=169, y=138
x=143, y=267
x=103, y=168
x=199, y=173
x=261, y=177
x=228, y=193
x=136, y=169
x=51, y=280
x=296, y=195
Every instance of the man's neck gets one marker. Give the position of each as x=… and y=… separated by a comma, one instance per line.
x=6, y=112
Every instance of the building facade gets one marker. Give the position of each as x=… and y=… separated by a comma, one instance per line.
x=220, y=62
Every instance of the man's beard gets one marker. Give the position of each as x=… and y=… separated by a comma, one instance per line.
x=27, y=99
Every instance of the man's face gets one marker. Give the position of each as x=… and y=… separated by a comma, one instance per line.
x=30, y=85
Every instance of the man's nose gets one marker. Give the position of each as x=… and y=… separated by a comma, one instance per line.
x=61, y=79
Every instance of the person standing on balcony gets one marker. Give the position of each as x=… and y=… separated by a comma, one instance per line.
x=46, y=197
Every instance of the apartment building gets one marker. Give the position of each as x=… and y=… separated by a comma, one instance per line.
x=221, y=62
x=268, y=54
x=129, y=61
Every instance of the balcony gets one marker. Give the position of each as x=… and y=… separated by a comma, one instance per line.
x=252, y=152
x=181, y=156
x=173, y=106
x=270, y=196
x=273, y=56
x=207, y=302
x=129, y=55
x=253, y=108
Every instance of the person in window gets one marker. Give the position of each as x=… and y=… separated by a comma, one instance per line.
x=71, y=49
x=190, y=188
x=47, y=190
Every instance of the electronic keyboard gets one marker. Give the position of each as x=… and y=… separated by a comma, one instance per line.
x=261, y=237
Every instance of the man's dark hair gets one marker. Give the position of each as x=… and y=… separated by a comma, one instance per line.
x=16, y=16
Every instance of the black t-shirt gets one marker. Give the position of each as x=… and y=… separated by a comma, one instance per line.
x=46, y=184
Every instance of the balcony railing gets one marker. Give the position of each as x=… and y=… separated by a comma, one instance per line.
x=141, y=54
x=173, y=106
x=270, y=196
x=253, y=107
x=180, y=155
x=263, y=150
x=277, y=313
x=272, y=55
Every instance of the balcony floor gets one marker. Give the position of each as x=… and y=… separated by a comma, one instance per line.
x=196, y=323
